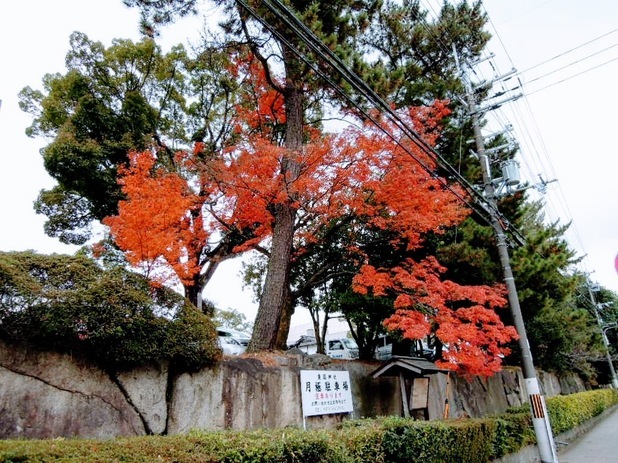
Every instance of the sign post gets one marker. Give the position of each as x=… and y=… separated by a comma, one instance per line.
x=325, y=392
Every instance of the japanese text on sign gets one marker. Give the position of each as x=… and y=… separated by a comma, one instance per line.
x=325, y=392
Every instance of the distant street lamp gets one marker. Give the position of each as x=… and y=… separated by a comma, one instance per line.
x=609, y=327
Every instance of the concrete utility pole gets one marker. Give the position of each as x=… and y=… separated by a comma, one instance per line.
x=604, y=335
x=540, y=419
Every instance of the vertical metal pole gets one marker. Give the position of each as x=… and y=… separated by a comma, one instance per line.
x=605, y=340
x=609, y=357
x=540, y=419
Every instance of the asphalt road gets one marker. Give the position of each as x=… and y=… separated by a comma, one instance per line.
x=599, y=445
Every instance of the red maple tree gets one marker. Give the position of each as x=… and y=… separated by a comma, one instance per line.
x=463, y=318
x=179, y=222
x=177, y=225
x=364, y=173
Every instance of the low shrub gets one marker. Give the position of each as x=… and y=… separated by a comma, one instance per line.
x=512, y=432
x=380, y=440
x=363, y=440
x=514, y=428
x=569, y=411
x=284, y=446
x=419, y=441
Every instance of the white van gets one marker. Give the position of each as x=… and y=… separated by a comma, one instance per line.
x=341, y=348
x=337, y=347
x=232, y=342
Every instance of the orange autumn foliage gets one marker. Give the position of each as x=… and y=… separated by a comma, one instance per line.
x=172, y=220
x=401, y=195
x=261, y=107
x=463, y=318
x=363, y=173
x=359, y=172
x=161, y=225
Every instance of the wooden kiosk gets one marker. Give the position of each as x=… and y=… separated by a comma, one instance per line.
x=413, y=374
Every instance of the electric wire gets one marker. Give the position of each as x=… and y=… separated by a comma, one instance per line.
x=357, y=84
x=573, y=63
x=497, y=35
x=527, y=148
x=322, y=52
x=573, y=76
x=523, y=127
x=533, y=144
x=568, y=51
x=524, y=139
x=373, y=98
x=367, y=94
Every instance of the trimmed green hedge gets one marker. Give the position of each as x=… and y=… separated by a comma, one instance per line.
x=513, y=431
x=383, y=440
x=569, y=411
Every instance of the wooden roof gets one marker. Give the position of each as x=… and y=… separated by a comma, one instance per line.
x=409, y=366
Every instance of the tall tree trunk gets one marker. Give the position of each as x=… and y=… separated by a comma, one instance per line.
x=286, y=319
x=193, y=293
x=277, y=282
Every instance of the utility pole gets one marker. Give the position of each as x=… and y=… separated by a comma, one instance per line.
x=540, y=419
x=604, y=335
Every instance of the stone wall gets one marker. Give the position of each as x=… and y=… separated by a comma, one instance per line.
x=46, y=395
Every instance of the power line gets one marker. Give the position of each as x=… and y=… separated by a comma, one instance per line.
x=573, y=63
x=568, y=51
x=556, y=203
x=573, y=76
x=498, y=35
x=534, y=148
x=559, y=55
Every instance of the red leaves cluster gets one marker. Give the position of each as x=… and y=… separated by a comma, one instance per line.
x=262, y=107
x=360, y=172
x=463, y=318
x=161, y=225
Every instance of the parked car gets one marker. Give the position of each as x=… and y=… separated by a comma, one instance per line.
x=232, y=342
x=419, y=348
x=342, y=348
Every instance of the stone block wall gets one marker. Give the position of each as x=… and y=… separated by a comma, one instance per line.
x=46, y=395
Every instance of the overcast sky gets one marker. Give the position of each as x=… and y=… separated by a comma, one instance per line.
x=567, y=130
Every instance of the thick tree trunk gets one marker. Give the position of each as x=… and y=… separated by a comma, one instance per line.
x=193, y=293
x=266, y=333
x=284, y=324
x=276, y=284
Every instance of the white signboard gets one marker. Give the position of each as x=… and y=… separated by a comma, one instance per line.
x=325, y=392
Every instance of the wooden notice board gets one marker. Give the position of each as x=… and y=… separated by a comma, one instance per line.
x=420, y=394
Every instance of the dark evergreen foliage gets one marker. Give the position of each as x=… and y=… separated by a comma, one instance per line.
x=114, y=317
